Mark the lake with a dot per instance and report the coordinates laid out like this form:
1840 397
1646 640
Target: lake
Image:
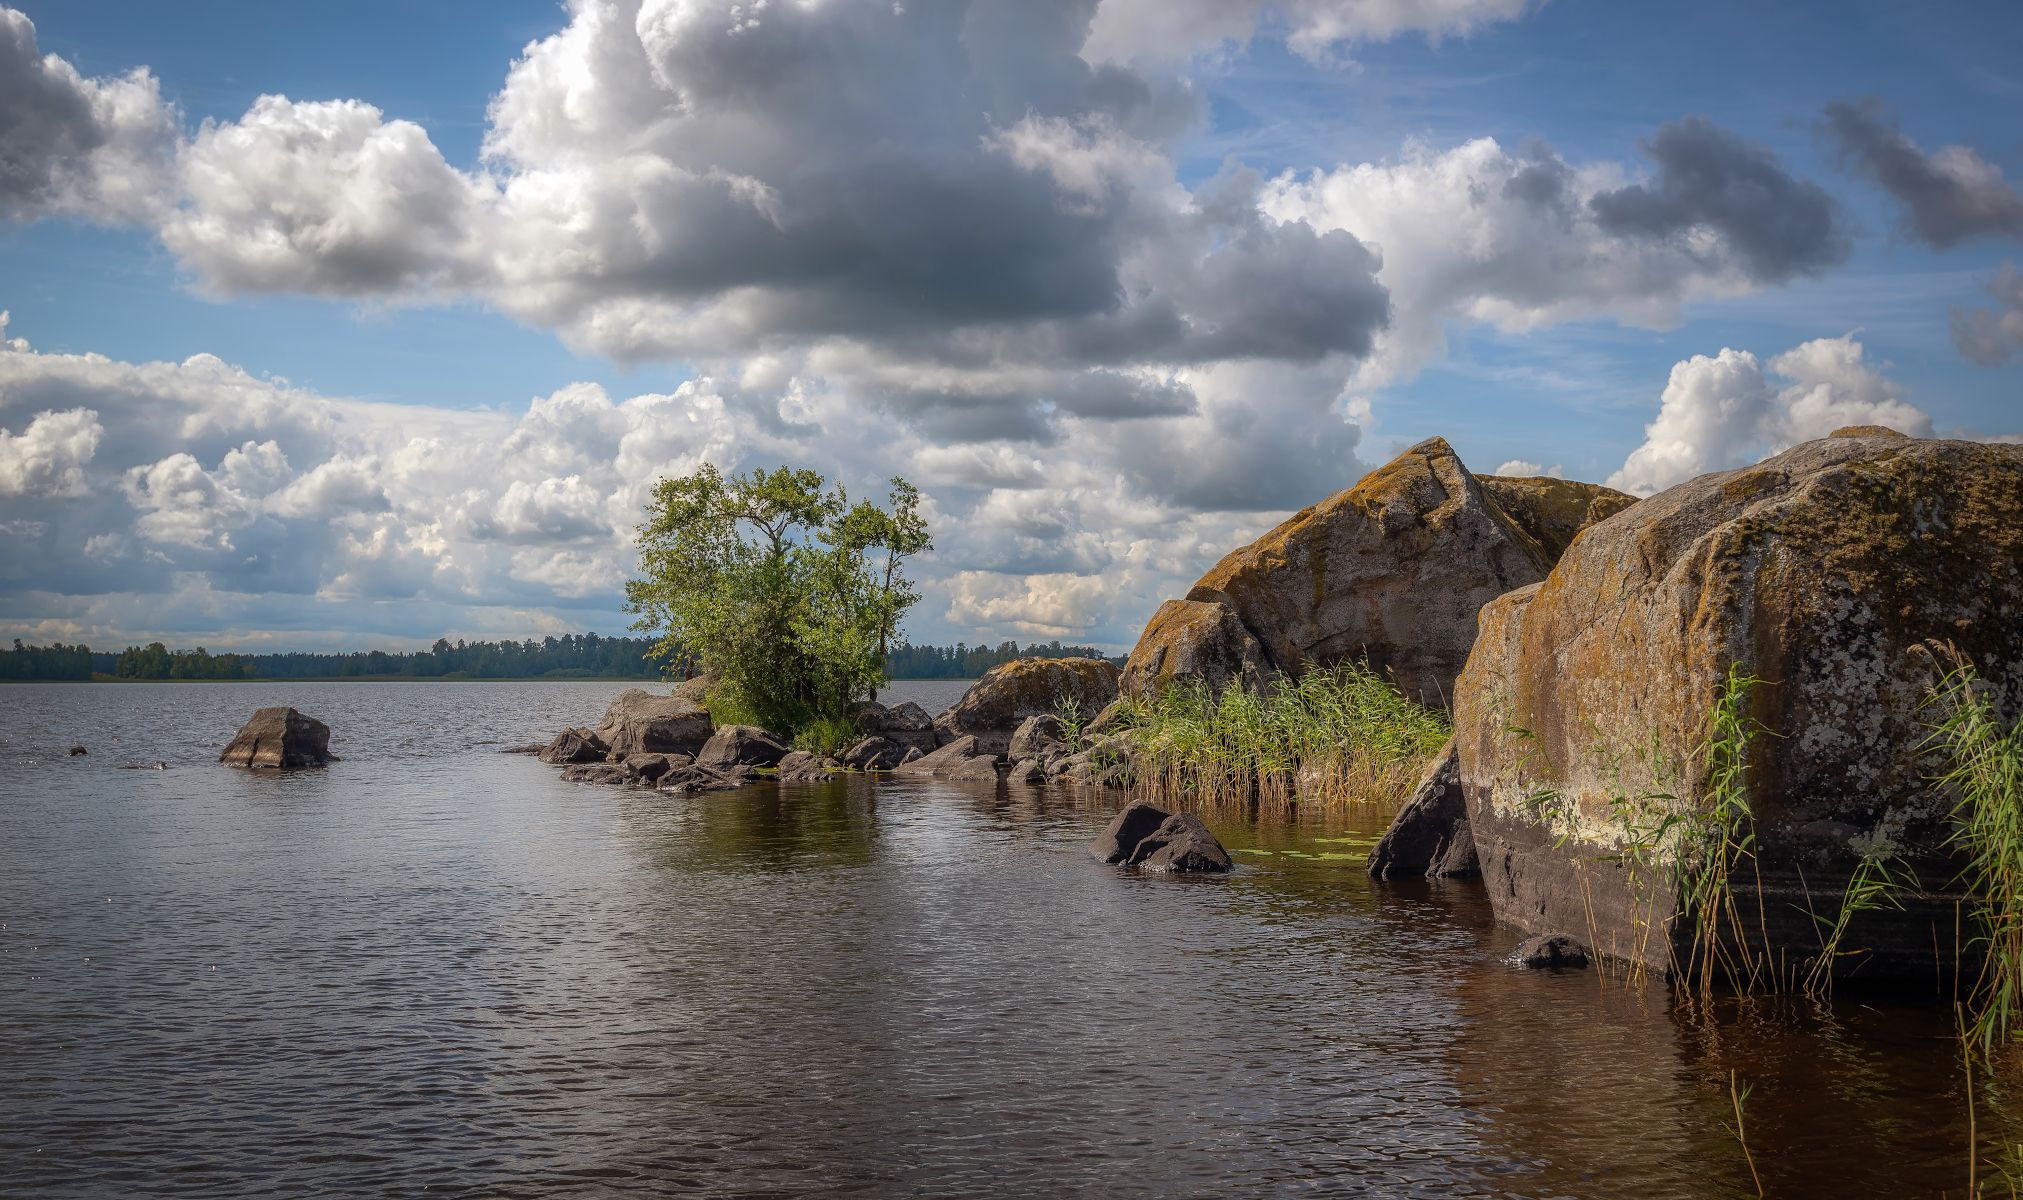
436 968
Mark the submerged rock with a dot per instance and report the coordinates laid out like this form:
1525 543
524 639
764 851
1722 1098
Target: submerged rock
1824 571
1429 837
280 738
1145 835
696 777
639 722
741 745
1393 570
597 772
996 705
1554 951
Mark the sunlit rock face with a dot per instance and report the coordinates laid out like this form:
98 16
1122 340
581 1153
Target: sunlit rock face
1392 570
1829 571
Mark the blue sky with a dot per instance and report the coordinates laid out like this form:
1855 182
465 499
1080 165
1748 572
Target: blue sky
745 214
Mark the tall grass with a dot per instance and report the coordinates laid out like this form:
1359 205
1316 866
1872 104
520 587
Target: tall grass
1984 767
1717 842
1335 734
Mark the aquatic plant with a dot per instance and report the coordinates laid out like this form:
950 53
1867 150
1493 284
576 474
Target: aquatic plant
1715 842
1983 754
1879 880
1335 734
1738 1095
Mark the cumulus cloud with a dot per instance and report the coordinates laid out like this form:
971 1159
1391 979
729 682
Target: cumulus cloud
1948 195
95 148
1525 468
139 499
1729 409
1992 336
1524 240
49 456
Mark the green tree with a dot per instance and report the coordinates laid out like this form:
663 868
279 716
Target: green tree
775 583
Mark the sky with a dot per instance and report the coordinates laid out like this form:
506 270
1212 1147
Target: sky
335 327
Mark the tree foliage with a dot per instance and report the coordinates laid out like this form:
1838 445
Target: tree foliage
774 582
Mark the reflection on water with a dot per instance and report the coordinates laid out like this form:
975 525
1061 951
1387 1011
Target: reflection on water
439 967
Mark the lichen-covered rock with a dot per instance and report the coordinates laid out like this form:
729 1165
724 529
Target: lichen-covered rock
639 722
1194 639
1553 511
994 706
1429 837
1822 571
961 758
280 738
741 745
1391 570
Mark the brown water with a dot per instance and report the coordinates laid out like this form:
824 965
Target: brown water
436 968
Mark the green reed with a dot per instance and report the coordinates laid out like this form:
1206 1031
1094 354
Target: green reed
1983 754
1717 842
1337 734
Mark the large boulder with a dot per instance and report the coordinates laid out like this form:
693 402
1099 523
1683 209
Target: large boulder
1392 570
1429 837
877 753
1582 718
996 705
639 722
1147 836
280 738
962 758
741 745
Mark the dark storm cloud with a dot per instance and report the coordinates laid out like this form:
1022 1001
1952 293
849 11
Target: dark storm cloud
1775 225
1948 196
47 126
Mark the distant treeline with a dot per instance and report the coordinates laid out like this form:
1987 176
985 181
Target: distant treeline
960 661
573 656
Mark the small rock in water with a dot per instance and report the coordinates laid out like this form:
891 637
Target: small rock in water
1552 951
1147 836
77 752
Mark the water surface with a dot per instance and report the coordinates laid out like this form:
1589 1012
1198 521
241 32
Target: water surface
435 967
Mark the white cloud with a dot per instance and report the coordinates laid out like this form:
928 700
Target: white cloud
48 457
1522 468
1728 410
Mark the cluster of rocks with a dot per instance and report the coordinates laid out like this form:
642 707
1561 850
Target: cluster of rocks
1581 637
1005 725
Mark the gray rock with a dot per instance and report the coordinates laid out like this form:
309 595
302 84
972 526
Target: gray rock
574 746
996 705
650 767
639 722
597 772
742 745
804 767
959 759
1429 837
875 753
281 739
1147 836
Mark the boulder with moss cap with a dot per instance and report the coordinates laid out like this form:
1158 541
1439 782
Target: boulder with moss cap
1826 571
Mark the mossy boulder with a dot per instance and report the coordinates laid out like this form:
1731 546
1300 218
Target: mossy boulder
1826 571
995 706
1392 570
